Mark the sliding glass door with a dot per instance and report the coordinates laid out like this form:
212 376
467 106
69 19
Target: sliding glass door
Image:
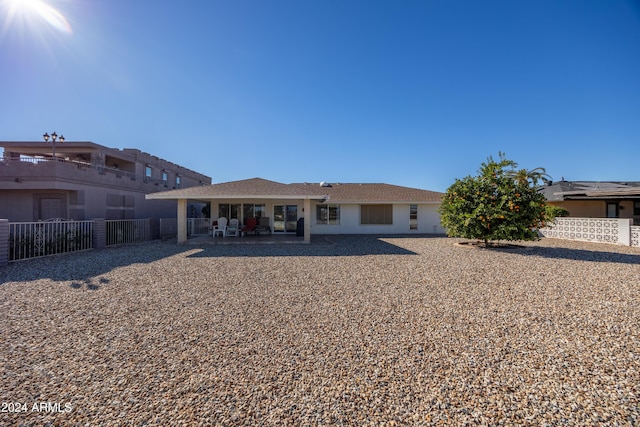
285 218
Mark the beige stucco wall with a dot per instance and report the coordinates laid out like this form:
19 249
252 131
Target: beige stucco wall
594 208
428 221
583 209
626 209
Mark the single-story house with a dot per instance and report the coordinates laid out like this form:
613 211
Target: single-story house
327 208
590 199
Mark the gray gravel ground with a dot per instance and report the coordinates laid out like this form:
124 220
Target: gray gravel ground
346 331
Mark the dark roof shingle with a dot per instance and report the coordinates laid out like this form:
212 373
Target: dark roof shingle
375 193
337 193
563 190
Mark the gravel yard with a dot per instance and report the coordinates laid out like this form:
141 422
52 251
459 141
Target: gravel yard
351 330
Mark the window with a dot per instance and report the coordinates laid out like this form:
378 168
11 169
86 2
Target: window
328 214
413 217
636 208
228 211
148 171
165 177
251 211
376 214
178 181
612 210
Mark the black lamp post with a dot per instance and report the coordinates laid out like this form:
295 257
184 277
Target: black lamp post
54 137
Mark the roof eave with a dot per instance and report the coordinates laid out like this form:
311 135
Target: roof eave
233 196
603 197
382 202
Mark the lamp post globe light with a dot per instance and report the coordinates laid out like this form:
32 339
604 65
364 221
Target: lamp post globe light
54 137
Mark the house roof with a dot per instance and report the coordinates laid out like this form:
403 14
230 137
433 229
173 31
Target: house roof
374 193
259 188
243 189
591 190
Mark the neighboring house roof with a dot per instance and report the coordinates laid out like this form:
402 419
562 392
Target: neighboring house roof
591 190
332 193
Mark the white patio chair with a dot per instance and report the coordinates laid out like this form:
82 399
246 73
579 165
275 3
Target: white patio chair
232 229
221 227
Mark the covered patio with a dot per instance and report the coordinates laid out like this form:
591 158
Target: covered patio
249 198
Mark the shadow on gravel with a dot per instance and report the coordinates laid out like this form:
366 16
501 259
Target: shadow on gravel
89 284
320 246
582 255
81 268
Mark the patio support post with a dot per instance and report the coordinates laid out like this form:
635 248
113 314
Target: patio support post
213 214
182 220
307 220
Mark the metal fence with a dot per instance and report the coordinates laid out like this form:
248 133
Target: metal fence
38 239
198 226
168 227
122 231
24 240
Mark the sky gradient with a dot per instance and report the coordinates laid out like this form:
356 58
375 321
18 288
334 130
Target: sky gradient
413 93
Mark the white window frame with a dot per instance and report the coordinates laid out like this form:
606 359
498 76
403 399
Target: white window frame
325 218
413 217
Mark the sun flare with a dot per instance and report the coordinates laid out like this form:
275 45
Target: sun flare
31 10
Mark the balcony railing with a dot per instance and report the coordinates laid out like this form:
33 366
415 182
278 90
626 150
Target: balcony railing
101 169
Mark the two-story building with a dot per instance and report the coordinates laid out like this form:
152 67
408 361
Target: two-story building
84 180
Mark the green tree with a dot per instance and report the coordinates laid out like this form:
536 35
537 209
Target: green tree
532 176
553 212
501 203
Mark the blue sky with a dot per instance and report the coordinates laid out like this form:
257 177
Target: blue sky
413 93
